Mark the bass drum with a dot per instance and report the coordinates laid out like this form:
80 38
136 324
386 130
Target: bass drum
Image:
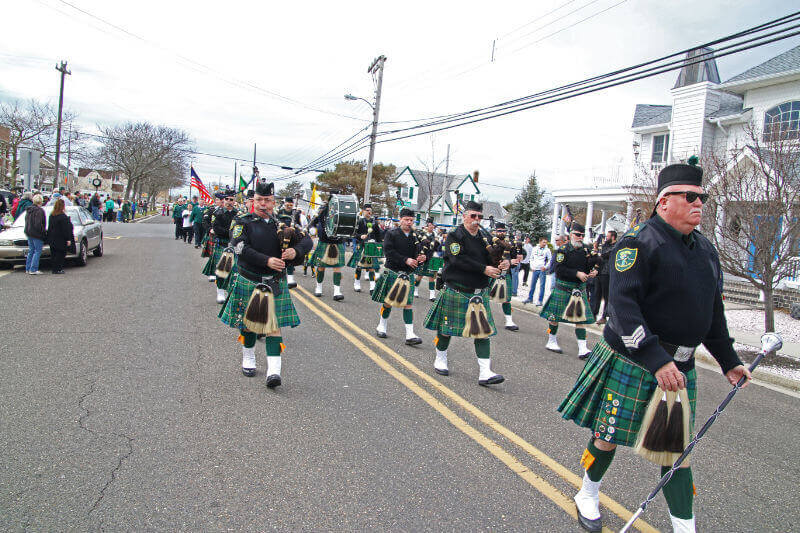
342 215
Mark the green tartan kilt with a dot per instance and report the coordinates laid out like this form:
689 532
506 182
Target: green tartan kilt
232 313
556 303
356 257
211 263
448 315
611 395
385 282
319 253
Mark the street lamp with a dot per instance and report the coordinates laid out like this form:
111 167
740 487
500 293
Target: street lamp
349 96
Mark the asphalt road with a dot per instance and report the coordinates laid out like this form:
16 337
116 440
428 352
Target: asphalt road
124 408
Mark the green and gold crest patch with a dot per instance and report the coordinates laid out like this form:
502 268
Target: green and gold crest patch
626 258
455 248
237 231
560 257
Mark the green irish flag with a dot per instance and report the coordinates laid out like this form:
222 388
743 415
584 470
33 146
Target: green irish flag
242 183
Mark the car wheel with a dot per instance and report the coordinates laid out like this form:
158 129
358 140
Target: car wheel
98 252
82 255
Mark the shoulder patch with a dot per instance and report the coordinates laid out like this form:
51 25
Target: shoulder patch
625 259
455 248
237 231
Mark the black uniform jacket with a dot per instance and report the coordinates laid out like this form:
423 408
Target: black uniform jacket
397 247
370 228
465 259
606 249
664 287
222 222
572 259
256 239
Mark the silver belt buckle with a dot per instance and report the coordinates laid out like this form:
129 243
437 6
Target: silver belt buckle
684 353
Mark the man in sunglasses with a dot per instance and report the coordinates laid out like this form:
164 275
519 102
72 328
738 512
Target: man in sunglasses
467 274
664 301
574 265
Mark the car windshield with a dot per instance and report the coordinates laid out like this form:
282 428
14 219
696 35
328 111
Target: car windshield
72 212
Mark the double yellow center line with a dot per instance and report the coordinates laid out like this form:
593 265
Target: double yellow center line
354 335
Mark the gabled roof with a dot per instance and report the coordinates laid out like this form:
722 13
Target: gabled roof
439 181
651 115
729 104
494 209
785 62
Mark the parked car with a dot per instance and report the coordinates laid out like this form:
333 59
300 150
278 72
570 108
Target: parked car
87 231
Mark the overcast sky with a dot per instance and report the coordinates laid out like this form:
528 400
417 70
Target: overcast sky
230 73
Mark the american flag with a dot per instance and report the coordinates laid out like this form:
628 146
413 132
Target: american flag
205 196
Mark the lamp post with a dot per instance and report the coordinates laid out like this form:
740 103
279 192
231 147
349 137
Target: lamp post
376 66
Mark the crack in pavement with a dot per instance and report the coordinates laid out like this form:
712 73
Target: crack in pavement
113 476
86 411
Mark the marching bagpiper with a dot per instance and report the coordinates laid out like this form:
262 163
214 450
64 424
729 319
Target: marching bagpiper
430 268
329 252
504 283
366 231
462 306
259 301
665 301
220 234
568 301
394 288
289 217
207 245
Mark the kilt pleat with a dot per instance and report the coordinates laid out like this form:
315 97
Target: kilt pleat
385 282
611 395
211 264
448 314
319 253
232 313
556 303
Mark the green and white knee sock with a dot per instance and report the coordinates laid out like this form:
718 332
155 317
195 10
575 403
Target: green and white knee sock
274 349
483 351
679 493
408 320
337 282
441 342
595 462
507 312
580 334
384 312
248 350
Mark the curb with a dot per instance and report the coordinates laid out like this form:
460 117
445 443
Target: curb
148 217
701 355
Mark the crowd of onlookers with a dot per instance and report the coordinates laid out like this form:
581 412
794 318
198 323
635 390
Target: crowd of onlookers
57 230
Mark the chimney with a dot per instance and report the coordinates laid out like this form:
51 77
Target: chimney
475 176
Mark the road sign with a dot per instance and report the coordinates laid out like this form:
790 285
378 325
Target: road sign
29 166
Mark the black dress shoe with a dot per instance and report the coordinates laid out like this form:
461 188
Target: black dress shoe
292 285
249 372
356 290
381 335
494 380
273 381
590 525
513 327
338 298
413 341
584 356
441 372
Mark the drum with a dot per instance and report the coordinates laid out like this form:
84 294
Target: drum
373 249
342 215
434 264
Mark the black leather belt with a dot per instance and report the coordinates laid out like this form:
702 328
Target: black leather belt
679 353
464 290
255 277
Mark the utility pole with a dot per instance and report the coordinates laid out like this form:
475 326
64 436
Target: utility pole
62 68
376 65
255 169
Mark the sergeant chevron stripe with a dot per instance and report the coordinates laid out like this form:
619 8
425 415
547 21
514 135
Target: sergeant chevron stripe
633 340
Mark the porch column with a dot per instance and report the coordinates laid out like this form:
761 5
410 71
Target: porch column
555 225
562 226
628 214
603 221
588 237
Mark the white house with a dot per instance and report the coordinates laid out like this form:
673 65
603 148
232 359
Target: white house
703 114
435 193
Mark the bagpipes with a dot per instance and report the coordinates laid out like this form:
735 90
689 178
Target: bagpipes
398 292
575 311
499 251
770 343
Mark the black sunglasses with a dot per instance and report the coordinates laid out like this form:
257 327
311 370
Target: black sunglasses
691 196
577 234
475 215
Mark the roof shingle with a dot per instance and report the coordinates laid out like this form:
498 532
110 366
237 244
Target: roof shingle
650 115
789 60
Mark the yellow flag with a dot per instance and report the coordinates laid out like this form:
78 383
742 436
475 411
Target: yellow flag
313 202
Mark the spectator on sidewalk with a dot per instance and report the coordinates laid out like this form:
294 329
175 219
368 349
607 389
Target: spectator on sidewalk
35 230
541 259
602 281
133 210
59 236
177 219
186 223
94 205
109 209
24 203
126 211
525 265
196 219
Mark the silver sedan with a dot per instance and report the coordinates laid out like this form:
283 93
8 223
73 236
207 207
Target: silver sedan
88 235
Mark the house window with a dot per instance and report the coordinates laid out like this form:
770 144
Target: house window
660 148
782 122
411 193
